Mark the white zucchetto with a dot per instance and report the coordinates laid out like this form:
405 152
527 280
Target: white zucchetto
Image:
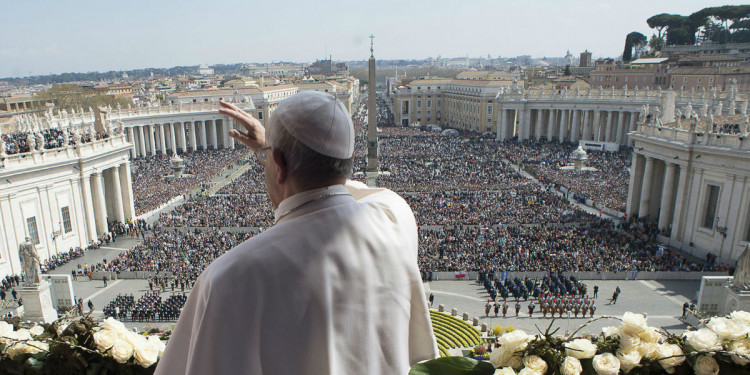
319 121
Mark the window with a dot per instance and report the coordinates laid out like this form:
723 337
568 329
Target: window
33 232
260 115
438 103
489 110
711 204
489 120
429 103
419 104
67 226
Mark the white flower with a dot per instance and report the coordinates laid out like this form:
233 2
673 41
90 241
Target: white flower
703 339
741 350
629 342
33 347
114 325
628 360
21 334
580 349
61 329
121 351
500 357
633 324
535 363
571 366
133 338
36 330
606 364
146 354
611 331
516 362
669 356
15 350
514 341
105 339
741 315
647 349
6 330
528 371
728 329
706 365
505 371
159 344
650 334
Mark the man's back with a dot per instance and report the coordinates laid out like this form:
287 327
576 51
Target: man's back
332 288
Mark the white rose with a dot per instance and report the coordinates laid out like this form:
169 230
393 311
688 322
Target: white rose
15 350
571 366
514 341
580 349
114 325
159 344
146 354
505 371
535 363
606 364
741 315
703 339
647 349
33 347
105 339
500 357
6 330
629 342
741 350
650 334
36 330
611 331
516 362
728 329
121 351
21 335
669 356
633 324
528 371
628 360
133 338
706 365
61 329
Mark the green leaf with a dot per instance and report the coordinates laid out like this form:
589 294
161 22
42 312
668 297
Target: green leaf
452 366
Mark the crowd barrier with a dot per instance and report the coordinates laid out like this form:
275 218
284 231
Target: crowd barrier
658 275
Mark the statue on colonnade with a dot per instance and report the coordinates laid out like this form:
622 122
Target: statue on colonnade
30 263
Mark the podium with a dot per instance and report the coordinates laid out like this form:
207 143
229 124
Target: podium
37 302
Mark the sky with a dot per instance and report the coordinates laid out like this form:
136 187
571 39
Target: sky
49 37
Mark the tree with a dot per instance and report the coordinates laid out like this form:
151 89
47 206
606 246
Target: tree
655 44
633 40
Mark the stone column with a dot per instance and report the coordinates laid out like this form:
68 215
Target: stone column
538 125
575 130
551 125
502 132
173 137
141 142
152 139
586 136
648 175
597 126
88 206
193 141
564 118
117 195
126 190
183 142
608 136
231 124
162 139
212 135
204 134
523 124
667 197
634 187
100 208
631 127
680 201
620 136
131 139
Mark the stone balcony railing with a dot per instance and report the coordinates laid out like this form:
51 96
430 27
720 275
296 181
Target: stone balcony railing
47 156
688 137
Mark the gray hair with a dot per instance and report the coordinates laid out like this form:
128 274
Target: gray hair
306 165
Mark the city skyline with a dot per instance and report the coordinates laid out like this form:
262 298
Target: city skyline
52 38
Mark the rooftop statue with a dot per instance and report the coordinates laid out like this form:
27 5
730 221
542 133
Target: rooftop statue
29 263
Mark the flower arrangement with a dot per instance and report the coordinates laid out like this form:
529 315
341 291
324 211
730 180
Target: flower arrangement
719 345
479 353
79 346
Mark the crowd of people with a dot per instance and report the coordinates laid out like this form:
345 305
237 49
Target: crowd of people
149 307
46 139
60 259
152 188
221 211
607 185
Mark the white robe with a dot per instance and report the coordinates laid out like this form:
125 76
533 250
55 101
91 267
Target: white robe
332 288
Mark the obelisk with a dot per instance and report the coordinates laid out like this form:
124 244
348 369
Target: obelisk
372 123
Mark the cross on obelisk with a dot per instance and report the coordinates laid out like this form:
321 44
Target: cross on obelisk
372 120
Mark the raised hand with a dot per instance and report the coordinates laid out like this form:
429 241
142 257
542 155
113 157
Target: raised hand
255 135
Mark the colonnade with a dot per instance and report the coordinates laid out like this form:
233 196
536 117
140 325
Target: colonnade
177 137
566 124
107 196
655 186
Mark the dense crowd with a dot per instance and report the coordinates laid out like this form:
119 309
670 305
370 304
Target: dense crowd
45 139
221 211
151 187
607 185
62 258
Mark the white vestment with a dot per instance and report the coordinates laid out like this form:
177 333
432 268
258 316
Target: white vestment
332 288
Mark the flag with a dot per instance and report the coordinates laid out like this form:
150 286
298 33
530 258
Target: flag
460 274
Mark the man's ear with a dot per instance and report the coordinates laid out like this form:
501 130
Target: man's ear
280 164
